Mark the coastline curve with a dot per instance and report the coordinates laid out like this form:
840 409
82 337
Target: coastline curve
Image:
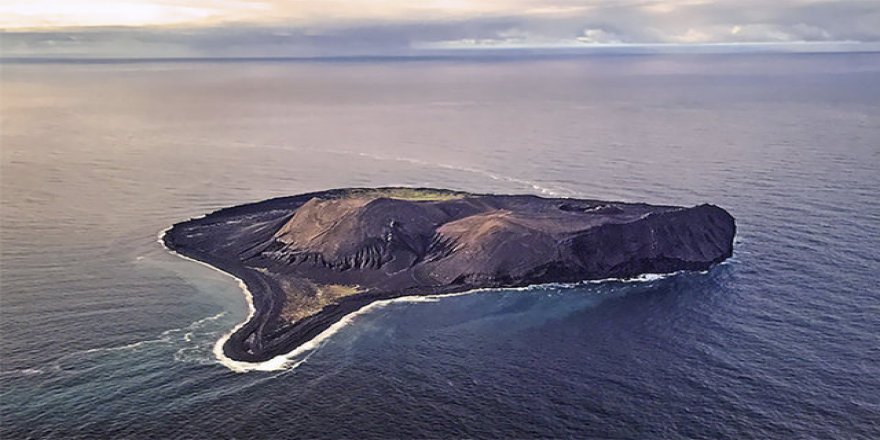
286 361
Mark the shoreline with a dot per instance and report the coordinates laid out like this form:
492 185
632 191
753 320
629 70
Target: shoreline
283 361
232 364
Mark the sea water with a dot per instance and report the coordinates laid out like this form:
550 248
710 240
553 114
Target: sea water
105 334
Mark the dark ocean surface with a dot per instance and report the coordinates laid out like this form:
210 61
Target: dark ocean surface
106 335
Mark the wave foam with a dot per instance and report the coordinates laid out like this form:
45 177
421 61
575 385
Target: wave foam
558 192
133 345
22 372
237 366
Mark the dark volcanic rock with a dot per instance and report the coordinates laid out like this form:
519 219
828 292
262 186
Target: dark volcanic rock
311 259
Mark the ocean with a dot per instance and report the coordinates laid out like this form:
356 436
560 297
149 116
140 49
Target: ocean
107 335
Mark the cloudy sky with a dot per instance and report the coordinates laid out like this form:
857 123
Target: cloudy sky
184 28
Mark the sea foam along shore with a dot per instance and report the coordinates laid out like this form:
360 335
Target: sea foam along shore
281 362
286 361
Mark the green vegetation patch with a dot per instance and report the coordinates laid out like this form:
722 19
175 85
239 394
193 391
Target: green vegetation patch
410 194
299 305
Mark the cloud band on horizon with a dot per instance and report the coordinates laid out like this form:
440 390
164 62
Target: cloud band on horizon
265 28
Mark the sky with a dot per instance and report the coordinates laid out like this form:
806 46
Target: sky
315 28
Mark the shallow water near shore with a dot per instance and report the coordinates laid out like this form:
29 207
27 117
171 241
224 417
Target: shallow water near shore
105 334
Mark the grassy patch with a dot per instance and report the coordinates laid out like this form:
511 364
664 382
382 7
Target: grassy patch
299 306
410 194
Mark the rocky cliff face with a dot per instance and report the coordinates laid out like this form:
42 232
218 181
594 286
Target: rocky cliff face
495 240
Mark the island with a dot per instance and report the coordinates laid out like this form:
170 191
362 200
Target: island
309 260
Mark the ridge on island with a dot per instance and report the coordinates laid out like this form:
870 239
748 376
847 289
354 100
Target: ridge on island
311 259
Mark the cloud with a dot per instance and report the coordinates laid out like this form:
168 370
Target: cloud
599 36
36 14
382 27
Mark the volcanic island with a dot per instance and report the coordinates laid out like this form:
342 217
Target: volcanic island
309 260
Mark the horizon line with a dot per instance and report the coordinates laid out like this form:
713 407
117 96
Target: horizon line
495 54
